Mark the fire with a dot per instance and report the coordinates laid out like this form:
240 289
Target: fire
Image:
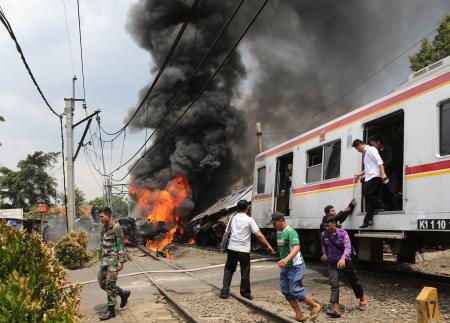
163 206
191 241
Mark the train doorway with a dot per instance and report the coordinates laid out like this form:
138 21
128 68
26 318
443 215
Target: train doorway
283 182
387 134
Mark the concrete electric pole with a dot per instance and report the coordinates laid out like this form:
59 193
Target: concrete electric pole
70 107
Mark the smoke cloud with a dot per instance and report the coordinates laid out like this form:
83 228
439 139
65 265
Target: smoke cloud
199 148
301 54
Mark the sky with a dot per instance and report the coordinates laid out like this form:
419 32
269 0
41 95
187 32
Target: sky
116 68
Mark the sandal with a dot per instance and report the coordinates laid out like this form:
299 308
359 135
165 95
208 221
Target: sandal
333 313
315 312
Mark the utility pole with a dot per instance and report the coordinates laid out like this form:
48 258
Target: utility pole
70 157
108 192
259 134
70 107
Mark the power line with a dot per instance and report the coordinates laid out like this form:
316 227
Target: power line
230 52
81 49
8 27
68 36
185 85
373 74
161 70
90 170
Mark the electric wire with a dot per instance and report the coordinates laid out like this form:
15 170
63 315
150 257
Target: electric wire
186 83
90 169
8 27
373 74
161 70
219 68
68 36
81 50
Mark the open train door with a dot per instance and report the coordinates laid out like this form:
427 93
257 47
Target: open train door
390 130
283 183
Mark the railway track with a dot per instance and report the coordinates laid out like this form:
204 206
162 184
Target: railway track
190 309
413 277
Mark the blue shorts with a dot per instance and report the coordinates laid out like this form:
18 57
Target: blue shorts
291 282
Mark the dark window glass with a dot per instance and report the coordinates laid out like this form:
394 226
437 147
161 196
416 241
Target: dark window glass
445 129
314 169
332 160
261 180
324 162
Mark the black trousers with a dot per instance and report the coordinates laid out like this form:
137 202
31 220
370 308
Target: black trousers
349 276
233 257
371 192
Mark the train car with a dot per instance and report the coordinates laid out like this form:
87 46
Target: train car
414 120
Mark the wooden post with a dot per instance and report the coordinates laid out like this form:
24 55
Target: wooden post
427 306
259 134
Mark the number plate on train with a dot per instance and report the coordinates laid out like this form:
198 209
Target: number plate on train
433 224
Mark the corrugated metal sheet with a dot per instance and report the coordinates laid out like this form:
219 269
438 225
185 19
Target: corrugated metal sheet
226 203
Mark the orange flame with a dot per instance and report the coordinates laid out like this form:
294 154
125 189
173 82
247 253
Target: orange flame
162 206
191 241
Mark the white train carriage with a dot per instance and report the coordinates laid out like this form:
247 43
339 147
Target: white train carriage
415 121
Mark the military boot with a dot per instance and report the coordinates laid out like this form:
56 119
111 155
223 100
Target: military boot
109 314
124 294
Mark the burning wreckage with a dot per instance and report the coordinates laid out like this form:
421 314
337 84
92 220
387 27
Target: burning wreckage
162 217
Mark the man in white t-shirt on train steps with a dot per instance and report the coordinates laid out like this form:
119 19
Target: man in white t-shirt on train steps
242 227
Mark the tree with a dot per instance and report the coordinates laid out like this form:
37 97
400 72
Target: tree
119 205
434 51
30 184
80 199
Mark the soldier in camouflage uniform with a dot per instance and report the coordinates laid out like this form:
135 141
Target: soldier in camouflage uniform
112 257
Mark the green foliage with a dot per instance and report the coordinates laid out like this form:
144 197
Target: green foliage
119 206
80 199
30 184
72 251
434 51
31 280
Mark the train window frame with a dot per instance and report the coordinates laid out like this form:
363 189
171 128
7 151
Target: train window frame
260 190
445 104
322 164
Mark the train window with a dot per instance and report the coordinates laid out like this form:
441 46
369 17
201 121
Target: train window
444 129
332 160
261 184
324 162
314 169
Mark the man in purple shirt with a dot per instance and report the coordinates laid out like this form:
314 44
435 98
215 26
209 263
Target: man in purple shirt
337 251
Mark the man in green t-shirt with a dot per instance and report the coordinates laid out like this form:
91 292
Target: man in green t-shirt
292 268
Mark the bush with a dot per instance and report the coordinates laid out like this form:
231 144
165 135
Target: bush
31 280
72 251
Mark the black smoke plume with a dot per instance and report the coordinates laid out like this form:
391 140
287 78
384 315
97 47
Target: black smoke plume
199 147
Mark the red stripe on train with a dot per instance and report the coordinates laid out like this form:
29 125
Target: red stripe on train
262 196
323 186
379 106
445 164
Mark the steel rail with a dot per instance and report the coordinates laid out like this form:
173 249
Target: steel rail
275 317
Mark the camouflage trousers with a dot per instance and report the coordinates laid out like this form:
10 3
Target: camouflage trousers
107 279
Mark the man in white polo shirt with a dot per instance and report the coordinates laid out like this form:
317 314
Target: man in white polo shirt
374 175
242 227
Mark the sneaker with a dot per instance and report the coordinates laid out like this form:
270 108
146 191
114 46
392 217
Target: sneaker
366 225
333 313
249 297
362 304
